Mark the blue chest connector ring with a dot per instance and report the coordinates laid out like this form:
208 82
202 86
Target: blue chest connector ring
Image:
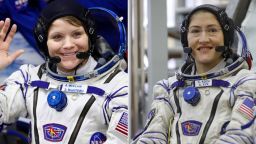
191 95
57 100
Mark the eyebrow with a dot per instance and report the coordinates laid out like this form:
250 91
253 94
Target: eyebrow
211 25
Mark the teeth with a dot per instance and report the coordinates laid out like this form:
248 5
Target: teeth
68 54
203 48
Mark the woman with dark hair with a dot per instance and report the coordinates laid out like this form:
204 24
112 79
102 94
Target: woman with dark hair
211 98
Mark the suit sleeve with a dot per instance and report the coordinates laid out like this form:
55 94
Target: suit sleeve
12 98
240 127
159 118
116 108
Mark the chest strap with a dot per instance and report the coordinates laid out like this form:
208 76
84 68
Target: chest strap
202 83
71 88
39 73
81 119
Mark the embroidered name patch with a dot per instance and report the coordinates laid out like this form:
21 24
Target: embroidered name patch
191 127
203 83
98 138
54 132
246 108
122 125
73 88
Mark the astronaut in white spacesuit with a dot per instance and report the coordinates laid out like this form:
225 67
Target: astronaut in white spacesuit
75 97
210 99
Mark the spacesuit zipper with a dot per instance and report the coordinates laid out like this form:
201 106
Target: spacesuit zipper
35 118
209 122
39 74
81 119
178 111
86 109
112 75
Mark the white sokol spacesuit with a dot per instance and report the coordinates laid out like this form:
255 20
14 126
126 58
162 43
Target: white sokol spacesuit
88 107
216 107
222 115
110 101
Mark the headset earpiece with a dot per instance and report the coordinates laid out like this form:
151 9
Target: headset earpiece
183 32
40 36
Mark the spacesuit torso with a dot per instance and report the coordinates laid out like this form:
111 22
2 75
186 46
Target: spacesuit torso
96 109
203 109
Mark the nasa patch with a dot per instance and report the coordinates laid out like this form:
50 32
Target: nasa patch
54 132
191 127
98 138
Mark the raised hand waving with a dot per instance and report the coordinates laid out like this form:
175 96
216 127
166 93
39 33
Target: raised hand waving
5 41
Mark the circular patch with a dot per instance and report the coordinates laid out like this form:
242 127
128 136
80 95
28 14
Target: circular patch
98 138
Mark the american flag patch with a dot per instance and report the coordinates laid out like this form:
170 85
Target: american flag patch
246 108
122 125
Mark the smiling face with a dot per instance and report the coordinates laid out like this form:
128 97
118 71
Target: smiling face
204 35
66 37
